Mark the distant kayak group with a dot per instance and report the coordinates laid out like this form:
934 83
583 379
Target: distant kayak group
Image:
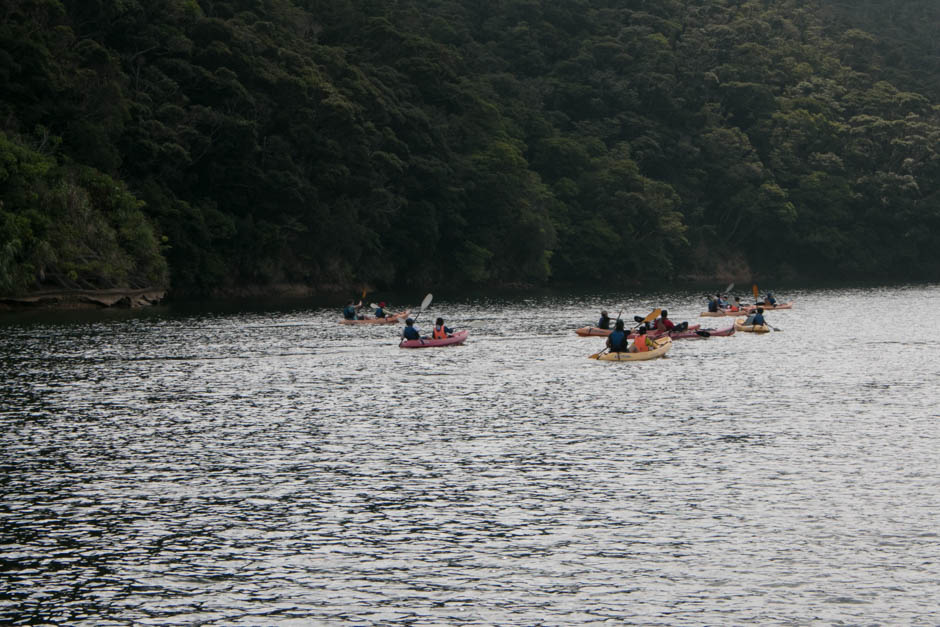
648 338
441 335
653 335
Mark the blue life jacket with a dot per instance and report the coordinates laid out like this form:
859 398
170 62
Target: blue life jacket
713 306
618 341
349 312
411 333
379 313
758 319
603 323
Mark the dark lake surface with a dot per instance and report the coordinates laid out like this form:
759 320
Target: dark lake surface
268 466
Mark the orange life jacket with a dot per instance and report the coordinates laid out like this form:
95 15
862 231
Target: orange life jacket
640 343
439 333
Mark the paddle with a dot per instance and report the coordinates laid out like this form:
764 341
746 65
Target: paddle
424 305
650 316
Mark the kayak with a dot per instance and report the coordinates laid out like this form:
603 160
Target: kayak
655 334
457 338
593 331
750 328
663 345
788 305
692 334
590 331
389 319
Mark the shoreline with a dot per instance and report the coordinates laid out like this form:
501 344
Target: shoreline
84 299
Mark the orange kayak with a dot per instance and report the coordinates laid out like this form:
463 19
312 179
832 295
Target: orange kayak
594 331
390 319
750 308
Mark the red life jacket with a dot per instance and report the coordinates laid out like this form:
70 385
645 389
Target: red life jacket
439 333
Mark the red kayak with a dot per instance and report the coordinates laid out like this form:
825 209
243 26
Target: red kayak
457 338
655 334
697 334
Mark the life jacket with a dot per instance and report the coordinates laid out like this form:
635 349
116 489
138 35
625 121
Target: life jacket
349 312
411 333
439 333
640 343
712 306
758 319
603 323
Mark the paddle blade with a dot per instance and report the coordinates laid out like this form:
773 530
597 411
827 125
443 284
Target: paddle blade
426 302
729 288
652 315
638 319
373 306
703 333
756 292
363 294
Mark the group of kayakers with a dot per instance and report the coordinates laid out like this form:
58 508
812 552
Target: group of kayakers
440 332
352 308
721 303
409 332
618 340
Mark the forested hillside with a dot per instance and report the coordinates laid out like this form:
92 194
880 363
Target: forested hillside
217 144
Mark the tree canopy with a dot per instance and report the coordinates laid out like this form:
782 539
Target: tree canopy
212 144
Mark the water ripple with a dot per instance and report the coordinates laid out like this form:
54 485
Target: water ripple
275 467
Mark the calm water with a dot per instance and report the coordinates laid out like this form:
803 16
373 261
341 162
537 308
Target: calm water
276 468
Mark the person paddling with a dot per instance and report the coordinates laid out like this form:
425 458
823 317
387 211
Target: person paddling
617 340
441 332
350 311
770 300
410 332
604 322
663 323
758 318
380 310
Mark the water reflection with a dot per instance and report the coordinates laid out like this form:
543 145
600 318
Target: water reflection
270 467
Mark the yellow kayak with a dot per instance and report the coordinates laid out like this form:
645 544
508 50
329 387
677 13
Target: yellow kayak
663 345
750 328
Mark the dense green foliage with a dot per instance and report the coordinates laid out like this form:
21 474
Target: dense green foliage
396 142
